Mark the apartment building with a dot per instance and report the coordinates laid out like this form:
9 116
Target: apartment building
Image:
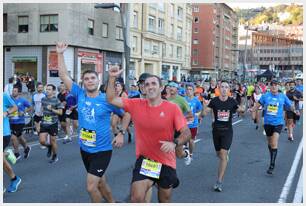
214 41
30 31
160 36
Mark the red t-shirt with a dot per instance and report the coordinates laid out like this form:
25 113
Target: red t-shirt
154 124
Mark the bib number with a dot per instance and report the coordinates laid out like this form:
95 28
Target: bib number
88 137
47 119
223 116
150 168
68 112
272 110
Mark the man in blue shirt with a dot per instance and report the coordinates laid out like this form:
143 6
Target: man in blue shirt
9 107
273 103
17 122
94 128
196 109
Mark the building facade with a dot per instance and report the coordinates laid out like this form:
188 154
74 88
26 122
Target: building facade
94 37
160 39
214 41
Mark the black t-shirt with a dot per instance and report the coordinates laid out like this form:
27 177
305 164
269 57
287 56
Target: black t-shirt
211 92
290 94
62 97
223 111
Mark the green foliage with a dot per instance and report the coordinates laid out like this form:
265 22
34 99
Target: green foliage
270 15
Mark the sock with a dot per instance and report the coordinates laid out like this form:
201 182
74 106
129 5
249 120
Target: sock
273 157
186 153
15 178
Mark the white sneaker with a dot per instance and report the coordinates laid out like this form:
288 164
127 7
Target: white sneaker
264 133
35 133
42 147
188 158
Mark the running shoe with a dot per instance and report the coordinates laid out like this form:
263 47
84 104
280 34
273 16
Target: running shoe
218 186
35 133
264 132
256 127
67 140
53 159
14 185
187 158
270 170
49 151
27 152
290 139
18 156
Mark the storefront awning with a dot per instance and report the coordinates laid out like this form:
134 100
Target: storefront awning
24 59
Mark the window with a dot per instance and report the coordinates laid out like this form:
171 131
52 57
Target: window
171 50
194 52
90 27
179 33
161 26
172 30
180 13
119 34
179 52
171 10
196 9
147 47
134 44
195 41
135 19
48 23
151 26
23 24
155 48
195 62
164 53
104 30
4 22
196 30
196 19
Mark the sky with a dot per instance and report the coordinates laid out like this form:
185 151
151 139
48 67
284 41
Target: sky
243 5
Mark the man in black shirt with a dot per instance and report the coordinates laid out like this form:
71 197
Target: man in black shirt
294 96
223 108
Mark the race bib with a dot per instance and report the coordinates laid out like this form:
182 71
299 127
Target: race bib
68 112
223 116
212 95
14 115
150 168
272 109
47 119
88 137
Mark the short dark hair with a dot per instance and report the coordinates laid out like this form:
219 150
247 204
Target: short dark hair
52 85
157 77
38 84
292 82
90 72
16 87
11 80
224 81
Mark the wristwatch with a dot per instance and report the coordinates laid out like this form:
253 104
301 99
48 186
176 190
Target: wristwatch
176 142
122 131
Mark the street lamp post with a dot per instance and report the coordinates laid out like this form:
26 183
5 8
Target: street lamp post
124 31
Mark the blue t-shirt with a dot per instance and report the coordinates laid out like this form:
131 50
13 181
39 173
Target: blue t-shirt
182 91
273 107
195 106
299 88
7 103
71 100
22 104
94 120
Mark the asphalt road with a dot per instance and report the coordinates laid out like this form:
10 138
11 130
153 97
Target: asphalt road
245 181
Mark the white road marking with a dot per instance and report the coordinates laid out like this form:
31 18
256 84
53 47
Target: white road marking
286 188
197 140
298 196
240 120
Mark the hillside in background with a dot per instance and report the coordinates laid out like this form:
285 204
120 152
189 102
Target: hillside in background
281 14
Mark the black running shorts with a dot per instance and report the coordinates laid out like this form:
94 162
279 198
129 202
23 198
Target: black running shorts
50 129
6 141
37 119
73 115
167 179
290 114
222 138
96 163
17 129
270 129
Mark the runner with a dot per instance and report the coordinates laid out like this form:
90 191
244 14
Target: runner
71 115
17 123
294 96
9 107
155 121
94 128
196 108
61 96
36 101
256 114
51 108
223 108
273 103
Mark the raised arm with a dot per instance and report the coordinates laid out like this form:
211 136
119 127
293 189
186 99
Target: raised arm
62 70
113 72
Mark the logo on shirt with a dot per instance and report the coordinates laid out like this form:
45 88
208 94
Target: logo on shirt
162 114
99 170
223 116
98 105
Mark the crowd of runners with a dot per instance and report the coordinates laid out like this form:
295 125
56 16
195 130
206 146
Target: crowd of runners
165 118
